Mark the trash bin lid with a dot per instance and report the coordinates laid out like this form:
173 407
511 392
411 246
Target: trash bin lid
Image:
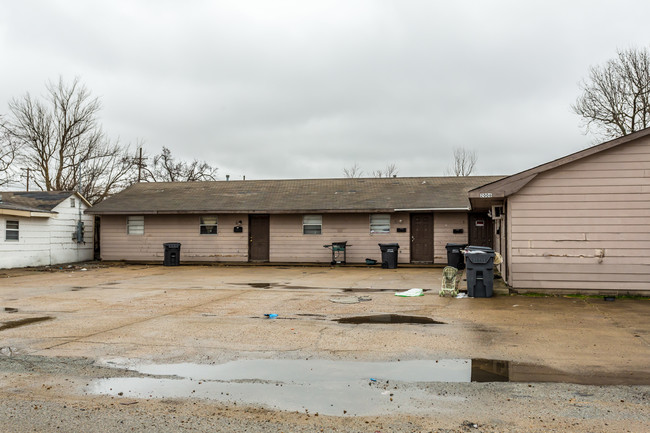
453 245
479 257
172 245
393 245
478 248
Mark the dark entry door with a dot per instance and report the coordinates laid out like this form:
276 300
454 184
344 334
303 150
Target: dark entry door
422 238
258 238
480 230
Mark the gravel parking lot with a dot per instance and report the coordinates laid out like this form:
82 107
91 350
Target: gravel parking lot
114 347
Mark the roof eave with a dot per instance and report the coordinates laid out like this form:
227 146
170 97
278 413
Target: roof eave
26 213
256 212
511 184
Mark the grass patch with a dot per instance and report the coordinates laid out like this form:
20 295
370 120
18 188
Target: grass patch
536 295
632 297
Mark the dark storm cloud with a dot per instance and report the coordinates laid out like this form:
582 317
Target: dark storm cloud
289 89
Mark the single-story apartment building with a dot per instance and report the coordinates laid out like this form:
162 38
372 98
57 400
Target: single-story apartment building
43 228
289 221
580 223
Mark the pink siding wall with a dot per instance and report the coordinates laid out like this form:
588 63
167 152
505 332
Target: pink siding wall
288 244
443 225
585 226
158 229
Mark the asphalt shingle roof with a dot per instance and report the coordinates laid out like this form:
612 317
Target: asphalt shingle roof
287 196
33 201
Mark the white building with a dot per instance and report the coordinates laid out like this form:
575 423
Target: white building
40 228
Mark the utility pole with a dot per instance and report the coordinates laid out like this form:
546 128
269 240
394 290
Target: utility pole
27 169
140 164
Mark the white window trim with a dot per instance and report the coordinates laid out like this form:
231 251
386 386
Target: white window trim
12 230
134 229
376 226
215 225
316 220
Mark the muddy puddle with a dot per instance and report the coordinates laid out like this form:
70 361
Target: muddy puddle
22 322
289 287
326 387
388 318
372 290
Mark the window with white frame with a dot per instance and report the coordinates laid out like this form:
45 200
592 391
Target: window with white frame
208 225
11 231
380 223
312 224
135 225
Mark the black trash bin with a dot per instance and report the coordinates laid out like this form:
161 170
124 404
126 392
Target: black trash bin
455 256
172 254
480 271
389 255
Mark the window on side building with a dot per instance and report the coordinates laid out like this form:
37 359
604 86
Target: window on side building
208 225
312 224
135 225
11 231
380 223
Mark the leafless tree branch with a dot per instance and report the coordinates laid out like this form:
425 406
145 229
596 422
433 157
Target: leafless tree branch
7 155
389 171
353 171
464 162
615 99
60 140
165 168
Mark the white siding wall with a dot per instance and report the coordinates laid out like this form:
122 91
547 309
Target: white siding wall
585 226
46 241
63 248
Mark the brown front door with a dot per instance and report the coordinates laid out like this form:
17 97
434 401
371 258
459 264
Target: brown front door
421 238
258 238
480 230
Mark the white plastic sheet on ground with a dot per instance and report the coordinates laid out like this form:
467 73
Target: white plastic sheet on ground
410 293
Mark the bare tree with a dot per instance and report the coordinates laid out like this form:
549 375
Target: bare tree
389 171
165 168
7 156
464 162
353 171
60 140
615 98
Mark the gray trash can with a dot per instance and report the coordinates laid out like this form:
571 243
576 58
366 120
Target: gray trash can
480 271
455 256
389 255
172 254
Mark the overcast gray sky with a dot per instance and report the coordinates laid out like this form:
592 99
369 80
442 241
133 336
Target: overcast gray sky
299 89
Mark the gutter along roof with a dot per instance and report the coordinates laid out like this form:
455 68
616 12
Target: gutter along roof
295 196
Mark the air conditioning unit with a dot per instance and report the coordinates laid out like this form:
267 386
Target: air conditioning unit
497 212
